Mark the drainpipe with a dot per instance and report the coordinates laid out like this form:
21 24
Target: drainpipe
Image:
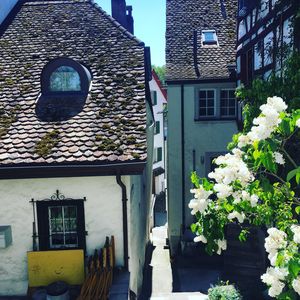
125 226
195 53
182 158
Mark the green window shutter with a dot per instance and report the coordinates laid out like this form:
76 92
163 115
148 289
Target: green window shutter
154 97
159 154
157 127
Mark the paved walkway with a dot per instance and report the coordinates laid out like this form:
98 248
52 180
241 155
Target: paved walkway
162 278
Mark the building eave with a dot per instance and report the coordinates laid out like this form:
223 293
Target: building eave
71 170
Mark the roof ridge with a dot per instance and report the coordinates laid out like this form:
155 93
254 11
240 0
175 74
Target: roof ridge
116 23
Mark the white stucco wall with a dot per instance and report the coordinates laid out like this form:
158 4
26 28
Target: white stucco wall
5 7
103 217
159 138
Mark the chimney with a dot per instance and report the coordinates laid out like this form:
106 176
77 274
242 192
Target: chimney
118 9
119 13
129 18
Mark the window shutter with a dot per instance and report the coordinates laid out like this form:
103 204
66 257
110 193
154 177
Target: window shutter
159 154
154 97
157 127
81 225
43 225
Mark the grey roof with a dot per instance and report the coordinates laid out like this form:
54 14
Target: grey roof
185 16
111 127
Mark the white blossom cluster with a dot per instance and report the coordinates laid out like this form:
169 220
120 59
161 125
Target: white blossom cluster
275 277
266 123
200 201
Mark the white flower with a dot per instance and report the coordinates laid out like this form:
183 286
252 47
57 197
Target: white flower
223 190
201 193
298 123
273 278
200 238
296 285
277 103
276 289
243 141
222 244
276 240
296 230
278 158
254 200
198 205
272 258
237 215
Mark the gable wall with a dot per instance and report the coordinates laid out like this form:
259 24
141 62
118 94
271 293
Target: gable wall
103 217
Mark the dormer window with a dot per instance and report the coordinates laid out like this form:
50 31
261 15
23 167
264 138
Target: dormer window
209 37
65 85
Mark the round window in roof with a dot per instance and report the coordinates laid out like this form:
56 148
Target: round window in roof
65 86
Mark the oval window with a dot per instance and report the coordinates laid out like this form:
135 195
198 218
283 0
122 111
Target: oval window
65 79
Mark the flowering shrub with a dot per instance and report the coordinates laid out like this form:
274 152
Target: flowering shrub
248 187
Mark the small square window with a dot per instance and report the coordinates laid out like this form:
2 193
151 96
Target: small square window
209 37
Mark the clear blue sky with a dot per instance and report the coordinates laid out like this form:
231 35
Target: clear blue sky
149 24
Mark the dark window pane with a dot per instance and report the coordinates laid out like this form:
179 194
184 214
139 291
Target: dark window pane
231 94
223 102
210 94
232 102
70 225
210 111
71 239
202 111
232 111
211 102
202 94
70 212
55 212
202 103
224 111
223 94
57 239
57 225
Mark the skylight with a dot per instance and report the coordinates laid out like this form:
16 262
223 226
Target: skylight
209 37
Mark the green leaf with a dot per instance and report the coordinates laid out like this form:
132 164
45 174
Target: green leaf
292 174
289 295
194 227
297 210
256 154
267 160
195 179
286 127
294 267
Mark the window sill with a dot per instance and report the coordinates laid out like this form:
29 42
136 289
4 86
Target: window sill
215 119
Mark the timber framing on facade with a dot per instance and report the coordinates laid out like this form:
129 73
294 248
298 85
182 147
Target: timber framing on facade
265 29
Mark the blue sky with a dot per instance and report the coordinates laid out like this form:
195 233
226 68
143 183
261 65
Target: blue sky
149 24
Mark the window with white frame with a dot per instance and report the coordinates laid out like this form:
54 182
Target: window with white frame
242 29
228 103
207 103
209 37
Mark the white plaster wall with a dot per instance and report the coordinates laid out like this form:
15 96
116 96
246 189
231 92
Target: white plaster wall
5 7
103 217
158 116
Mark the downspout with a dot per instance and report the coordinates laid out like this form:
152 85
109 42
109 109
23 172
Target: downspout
195 53
182 159
125 224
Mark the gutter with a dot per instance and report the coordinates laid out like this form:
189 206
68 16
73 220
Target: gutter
125 224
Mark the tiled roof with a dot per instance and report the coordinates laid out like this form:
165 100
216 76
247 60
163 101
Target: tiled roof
185 16
111 127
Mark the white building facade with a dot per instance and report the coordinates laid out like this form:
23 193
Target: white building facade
159 101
